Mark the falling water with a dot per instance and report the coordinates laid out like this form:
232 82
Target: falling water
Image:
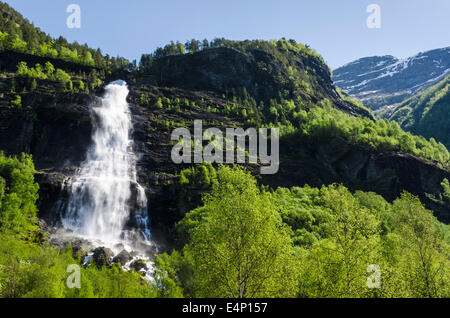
104 194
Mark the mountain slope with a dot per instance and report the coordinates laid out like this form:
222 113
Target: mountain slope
385 80
326 136
427 113
264 71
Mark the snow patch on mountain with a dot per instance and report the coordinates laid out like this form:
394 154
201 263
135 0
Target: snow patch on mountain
384 80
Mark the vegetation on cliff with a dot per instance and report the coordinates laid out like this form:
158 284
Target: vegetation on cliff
426 113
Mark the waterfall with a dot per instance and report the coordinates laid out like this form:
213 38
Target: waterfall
104 193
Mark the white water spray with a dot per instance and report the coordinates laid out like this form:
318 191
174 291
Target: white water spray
105 192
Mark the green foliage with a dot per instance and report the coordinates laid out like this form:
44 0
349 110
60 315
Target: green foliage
144 100
62 77
342 233
424 252
46 49
338 237
325 122
446 190
170 49
36 72
40 271
48 72
342 259
29 270
240 247
17 102
81 85
300 209
3 40
112 282
18 194
200 177
49 69
18 44
426 113
165 276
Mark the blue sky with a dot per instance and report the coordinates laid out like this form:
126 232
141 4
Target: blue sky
336 29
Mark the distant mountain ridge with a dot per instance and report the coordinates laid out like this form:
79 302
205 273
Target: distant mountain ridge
385 80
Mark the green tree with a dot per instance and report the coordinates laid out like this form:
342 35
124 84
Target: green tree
425 253
146 62
22 69
241 248
17 102
192 46
49 69
158 104
165 277
63 78
18 44
446 190
3 40
337 266
18 193
33 84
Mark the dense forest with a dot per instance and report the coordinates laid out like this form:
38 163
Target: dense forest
229 233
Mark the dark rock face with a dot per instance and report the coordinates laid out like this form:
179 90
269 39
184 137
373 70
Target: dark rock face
56 130
139 265
102 256
385 80
123 257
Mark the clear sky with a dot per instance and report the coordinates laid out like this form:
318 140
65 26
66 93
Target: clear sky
335 28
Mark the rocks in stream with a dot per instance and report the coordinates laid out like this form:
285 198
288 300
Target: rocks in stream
80 247
89 254
139 265
122 258
102 256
